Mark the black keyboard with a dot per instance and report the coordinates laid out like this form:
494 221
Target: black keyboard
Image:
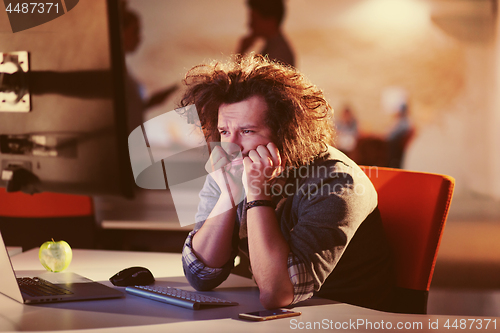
179 297
39 287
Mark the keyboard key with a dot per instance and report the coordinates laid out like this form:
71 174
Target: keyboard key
40 287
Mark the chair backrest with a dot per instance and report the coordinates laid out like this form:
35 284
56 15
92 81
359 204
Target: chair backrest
414 207
46 204
29 220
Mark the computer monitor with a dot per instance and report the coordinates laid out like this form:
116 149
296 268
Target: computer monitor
63 120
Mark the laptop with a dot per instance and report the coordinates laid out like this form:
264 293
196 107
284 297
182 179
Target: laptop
34 287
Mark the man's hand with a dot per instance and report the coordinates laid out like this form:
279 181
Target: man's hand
212 244
227 169
262 165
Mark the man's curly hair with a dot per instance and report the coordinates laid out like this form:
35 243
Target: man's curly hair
298 114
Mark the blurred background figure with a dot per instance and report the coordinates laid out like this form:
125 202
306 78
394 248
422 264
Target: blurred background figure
266 17
131 38
399 137
137 102
131 30
346 128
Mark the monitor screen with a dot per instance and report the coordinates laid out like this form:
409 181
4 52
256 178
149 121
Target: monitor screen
63 121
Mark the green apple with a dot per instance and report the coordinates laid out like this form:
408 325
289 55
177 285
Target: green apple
55 256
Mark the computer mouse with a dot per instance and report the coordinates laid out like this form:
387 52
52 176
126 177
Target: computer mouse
132 276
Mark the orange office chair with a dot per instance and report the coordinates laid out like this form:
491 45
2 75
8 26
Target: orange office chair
29 220
414 207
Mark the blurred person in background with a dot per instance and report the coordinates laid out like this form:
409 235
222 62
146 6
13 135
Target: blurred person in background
399 137
346 128
137 102
266 18
131 38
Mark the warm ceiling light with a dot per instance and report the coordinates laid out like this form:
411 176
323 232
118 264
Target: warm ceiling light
388 16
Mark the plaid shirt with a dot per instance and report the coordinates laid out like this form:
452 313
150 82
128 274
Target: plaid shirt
303 285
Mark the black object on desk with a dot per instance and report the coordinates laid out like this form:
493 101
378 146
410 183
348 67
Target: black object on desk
132 276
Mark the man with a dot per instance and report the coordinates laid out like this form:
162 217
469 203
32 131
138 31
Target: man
137 103
309 220
399 137
131 37
266 17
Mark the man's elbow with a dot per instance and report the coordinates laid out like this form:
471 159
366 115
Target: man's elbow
274 300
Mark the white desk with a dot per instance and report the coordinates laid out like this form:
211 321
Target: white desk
13 250
127 314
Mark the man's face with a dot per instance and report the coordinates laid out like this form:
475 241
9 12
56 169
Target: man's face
243 124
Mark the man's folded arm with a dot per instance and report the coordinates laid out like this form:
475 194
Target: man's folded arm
302 281
200 276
